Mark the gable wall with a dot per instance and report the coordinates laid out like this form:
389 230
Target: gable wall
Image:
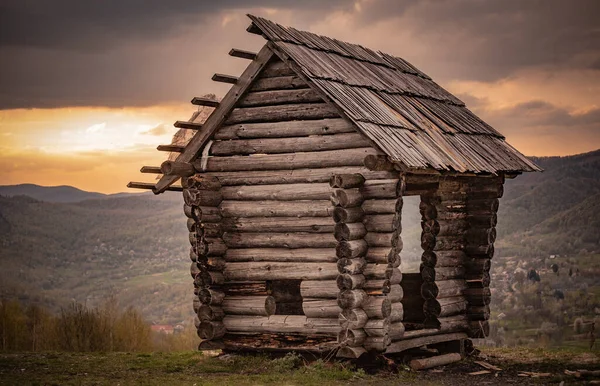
274 157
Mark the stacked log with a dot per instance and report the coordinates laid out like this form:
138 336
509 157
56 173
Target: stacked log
442 268
202 197
351 250
482 205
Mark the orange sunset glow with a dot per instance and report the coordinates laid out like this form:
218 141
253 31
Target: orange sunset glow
86 96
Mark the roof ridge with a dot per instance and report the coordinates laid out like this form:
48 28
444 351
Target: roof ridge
379 54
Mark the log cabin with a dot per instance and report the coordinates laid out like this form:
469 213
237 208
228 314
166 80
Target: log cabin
293 189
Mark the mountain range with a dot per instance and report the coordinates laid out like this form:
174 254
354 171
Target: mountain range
60 244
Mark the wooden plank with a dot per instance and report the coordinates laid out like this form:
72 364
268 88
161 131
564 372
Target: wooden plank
237 53
223 78
291 112
289 144
149 186
187 125
280 271
407 343
279 83
213 122
201 101
280 97
150 169
286 129
171 148
287 161
253 29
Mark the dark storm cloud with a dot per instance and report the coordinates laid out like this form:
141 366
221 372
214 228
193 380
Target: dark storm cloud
142 52
491 39
93 24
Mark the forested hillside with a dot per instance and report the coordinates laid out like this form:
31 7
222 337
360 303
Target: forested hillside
137 245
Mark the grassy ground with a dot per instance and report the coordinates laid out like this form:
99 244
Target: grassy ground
194 368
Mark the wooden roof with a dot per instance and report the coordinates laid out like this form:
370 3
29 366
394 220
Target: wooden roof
413 120
410 117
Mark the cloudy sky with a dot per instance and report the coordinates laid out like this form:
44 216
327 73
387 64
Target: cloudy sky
88 88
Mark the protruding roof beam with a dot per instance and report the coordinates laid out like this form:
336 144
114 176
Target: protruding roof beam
149 186
200 101
237 53
180 169
172 148
253 29
225 78
151 169
187 125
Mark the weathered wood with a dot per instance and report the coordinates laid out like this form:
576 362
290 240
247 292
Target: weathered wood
211 330
378 163
279 83
290 112
351 298
288 144
439 360
483 206
215 120
478 280
346 198
382 223
249 305
283 192
307 208
327 289
248 288
478 265
409 342
207 312
377 327
444 307
280 97
286 161
208 278
351 338
320 308
286 129
348 215
347 282
151 186
180 169
397 329
279 224
223 78
202 181
212 247
346 181
276 68
480 250
396 314
151 169
351 231
279 240
211 296
377 343
352 318
443 289
351 266
451 258
208 198
282 324
201 101
280 271
381 239
351 249
237 53
382 256
172 148
482 220
377 307
381 206
309 255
